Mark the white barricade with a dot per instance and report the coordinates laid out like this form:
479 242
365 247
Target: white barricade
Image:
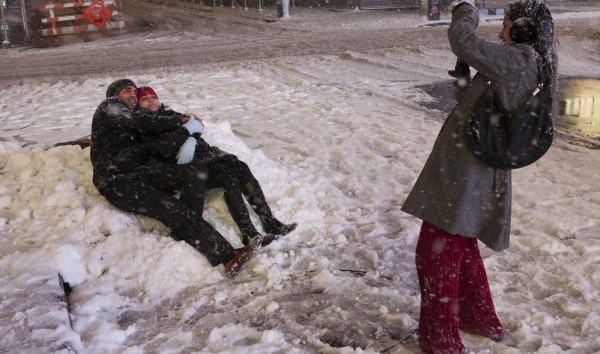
80 16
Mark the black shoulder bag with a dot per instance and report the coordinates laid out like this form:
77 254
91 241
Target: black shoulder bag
510 140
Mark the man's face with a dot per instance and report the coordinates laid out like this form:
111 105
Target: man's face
150 102
505 33
128 95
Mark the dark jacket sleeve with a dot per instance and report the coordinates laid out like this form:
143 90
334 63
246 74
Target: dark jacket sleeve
163 144
165 121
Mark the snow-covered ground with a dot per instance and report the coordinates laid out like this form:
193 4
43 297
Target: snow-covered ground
337 142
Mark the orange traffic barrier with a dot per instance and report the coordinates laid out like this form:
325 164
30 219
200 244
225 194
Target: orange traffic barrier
80 16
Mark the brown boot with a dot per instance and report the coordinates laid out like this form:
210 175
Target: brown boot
242 256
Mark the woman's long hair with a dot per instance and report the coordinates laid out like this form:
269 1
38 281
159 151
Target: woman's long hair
545 40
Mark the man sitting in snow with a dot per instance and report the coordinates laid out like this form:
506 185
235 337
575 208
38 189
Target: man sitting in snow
128 174
225 170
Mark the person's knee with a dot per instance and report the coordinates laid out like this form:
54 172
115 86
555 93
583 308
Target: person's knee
228 175
243 169
121 196
242 165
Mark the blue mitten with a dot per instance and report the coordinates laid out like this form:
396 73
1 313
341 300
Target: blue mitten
193 126
186 151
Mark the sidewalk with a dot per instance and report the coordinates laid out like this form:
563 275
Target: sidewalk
338 18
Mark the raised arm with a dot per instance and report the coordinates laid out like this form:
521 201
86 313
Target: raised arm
165 121
491 59
163 132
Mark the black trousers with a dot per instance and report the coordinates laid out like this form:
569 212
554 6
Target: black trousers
152 195
237 181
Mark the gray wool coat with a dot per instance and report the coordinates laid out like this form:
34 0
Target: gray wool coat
456 191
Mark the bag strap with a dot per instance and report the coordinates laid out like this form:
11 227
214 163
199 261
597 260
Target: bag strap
540 79
540 86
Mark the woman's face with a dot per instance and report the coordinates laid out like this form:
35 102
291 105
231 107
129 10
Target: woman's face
505 33
150 102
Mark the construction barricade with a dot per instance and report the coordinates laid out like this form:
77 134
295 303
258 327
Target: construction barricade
80 16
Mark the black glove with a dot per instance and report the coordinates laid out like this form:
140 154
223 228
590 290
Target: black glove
454 5
462 73
461 69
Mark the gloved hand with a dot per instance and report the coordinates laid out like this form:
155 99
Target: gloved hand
186 151
193 126
461 69
454 4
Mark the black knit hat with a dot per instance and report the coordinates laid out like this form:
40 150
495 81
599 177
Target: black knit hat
117 86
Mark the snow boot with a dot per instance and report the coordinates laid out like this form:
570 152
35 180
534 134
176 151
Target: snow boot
276 227
242 256
268 239
256 199
239 212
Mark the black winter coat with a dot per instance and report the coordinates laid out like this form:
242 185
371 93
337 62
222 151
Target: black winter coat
118 148
166 145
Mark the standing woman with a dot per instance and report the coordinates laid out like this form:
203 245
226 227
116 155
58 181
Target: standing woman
461 199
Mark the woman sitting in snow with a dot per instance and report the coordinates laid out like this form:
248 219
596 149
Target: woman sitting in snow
461 199
128 173
224 171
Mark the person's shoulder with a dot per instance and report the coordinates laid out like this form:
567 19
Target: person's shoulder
523 55
526 49
167 110
145 112
112 101
115 100
112 106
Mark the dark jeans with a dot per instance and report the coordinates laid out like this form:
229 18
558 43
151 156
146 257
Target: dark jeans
152 195
237 181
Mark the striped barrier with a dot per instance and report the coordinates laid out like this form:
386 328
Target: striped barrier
80 16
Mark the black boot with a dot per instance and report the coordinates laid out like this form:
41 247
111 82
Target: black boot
270 223
276 227
256 199
239 212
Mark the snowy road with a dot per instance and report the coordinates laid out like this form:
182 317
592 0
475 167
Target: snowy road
206 36
185 34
